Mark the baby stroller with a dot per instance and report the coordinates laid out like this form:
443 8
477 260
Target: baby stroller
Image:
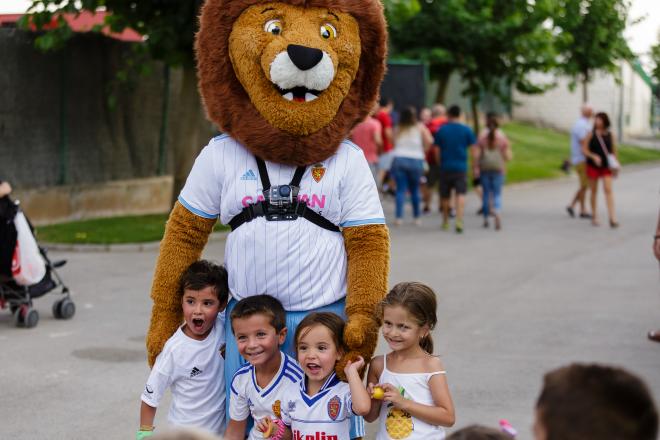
19 298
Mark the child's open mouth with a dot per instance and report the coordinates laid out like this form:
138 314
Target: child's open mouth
313 368
198 324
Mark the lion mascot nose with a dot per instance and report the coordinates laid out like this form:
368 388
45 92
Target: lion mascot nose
303 57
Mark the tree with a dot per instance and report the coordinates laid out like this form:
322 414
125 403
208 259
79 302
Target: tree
655 60
591 38
168 27
491 43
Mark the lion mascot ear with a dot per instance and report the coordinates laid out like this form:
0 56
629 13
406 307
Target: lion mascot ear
286 82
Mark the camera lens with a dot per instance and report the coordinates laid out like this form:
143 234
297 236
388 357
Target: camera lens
285 191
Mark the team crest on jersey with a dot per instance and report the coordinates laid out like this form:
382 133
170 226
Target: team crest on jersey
333 407
292 406
318 171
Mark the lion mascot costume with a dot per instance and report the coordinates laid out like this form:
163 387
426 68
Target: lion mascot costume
285 82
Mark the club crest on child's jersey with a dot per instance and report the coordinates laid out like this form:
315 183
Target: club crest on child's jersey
277 409
334 405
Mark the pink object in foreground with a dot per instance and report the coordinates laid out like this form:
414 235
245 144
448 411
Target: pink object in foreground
506 427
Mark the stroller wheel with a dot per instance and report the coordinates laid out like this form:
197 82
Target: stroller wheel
64 309
26 317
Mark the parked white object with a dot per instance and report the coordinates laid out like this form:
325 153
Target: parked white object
27 266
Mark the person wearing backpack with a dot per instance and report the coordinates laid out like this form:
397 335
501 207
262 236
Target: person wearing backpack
490 157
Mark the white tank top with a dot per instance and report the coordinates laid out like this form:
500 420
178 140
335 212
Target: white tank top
397 424
409 144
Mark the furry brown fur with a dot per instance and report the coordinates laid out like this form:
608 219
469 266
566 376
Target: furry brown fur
368 250
229 106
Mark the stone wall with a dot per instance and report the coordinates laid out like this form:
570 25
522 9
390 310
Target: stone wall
77 202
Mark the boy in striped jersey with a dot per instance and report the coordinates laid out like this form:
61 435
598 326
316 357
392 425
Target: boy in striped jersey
259 327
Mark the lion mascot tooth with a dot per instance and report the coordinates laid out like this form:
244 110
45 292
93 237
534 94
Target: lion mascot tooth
285 82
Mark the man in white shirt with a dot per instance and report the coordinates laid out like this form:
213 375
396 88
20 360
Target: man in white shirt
579 132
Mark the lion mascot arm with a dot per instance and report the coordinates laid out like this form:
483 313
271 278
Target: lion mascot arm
185 236
368 251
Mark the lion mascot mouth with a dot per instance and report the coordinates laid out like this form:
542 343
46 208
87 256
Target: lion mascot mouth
302 72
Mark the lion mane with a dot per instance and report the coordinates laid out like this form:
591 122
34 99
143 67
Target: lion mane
228 104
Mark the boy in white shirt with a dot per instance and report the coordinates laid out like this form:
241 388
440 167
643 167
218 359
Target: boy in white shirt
192 361
259 326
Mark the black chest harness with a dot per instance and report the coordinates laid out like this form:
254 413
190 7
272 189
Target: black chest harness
280 203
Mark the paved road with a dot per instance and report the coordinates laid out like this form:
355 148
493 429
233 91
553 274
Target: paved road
545 291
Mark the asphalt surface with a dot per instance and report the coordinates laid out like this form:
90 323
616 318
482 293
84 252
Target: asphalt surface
545 291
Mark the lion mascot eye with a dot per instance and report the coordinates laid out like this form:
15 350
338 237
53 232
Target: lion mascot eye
328 31
273 26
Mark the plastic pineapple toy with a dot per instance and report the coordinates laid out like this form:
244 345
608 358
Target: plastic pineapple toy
399 423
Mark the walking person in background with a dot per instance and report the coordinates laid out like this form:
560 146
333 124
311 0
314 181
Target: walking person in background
579 132
425 116
368 136
454 140
602 163
384 116
654 335
410 144
5 188
490 157
438 119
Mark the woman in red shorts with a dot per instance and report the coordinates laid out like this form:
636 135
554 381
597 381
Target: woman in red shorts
597 147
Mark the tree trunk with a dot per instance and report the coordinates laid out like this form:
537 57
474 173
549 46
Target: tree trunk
585 89
475 115
185 138
443 82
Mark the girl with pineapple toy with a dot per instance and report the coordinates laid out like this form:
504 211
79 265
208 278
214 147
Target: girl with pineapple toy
320 406
407 387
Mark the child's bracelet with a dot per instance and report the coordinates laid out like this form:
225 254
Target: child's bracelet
280 430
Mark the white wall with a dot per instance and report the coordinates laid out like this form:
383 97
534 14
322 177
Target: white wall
559 107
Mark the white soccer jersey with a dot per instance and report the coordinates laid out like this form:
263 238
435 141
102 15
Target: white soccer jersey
247 398
194 371
297 262
324 416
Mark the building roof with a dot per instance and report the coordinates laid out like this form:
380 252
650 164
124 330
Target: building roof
85 21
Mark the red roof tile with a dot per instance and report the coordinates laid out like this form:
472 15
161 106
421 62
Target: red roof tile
83 22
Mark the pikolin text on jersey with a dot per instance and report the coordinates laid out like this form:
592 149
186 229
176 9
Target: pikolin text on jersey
297 435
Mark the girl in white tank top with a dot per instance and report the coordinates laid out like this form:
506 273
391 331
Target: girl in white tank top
408 387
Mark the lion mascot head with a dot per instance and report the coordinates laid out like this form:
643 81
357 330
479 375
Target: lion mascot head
301 74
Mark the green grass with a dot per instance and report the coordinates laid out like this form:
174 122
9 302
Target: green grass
538 152
114 230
